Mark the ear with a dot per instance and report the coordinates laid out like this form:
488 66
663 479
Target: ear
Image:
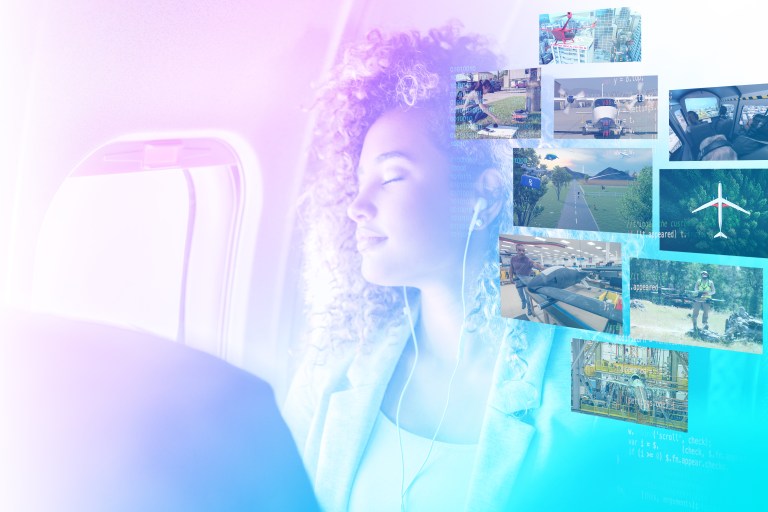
490 186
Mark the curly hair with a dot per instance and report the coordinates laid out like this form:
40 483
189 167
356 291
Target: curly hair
403 70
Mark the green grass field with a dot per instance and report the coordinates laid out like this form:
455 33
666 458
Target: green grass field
552 209
504 110
604 205
671 324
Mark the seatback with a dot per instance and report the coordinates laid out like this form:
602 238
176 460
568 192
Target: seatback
697 133
722 126
759 154
717 147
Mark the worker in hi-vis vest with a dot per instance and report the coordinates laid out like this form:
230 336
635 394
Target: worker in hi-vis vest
704 290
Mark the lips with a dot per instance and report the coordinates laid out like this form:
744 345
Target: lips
367 239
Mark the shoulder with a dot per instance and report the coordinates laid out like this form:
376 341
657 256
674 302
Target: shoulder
318 375
325 371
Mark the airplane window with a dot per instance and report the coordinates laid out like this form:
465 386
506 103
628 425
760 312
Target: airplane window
674 141
749 111
605 102
147 235
681 119
98 228
705 107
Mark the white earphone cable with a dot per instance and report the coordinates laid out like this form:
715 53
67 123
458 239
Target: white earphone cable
404 492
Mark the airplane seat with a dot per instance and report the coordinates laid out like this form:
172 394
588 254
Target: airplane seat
717 147
723 126
759 154
687 151
156 235
753 144
103 418
697 133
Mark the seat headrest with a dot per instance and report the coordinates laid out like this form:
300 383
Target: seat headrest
758 129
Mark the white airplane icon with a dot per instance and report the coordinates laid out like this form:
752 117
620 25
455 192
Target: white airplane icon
720 203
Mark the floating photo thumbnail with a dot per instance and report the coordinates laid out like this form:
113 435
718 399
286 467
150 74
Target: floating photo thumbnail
606 108
583 189
719 123
599 35
630 383
573 283
714 211
713 306
498 104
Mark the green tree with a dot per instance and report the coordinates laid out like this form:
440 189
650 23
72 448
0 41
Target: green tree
636 205
559 178
526 198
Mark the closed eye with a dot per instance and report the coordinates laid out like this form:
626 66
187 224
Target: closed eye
392 180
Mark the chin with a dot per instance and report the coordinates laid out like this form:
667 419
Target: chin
382 274
376 277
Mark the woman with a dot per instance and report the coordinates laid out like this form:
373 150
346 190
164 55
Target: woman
414 390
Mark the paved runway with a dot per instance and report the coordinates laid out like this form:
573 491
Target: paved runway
576 214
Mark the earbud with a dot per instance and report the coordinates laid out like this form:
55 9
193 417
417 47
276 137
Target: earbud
480 205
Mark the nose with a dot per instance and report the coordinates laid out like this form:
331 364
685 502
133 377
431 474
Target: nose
361 208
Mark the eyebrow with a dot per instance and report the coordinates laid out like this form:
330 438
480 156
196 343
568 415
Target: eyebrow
384 157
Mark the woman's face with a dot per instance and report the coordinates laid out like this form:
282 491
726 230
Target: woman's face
406 213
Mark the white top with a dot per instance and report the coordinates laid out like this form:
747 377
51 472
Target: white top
441 485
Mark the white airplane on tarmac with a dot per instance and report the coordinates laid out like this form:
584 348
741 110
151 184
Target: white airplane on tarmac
720 202
605 120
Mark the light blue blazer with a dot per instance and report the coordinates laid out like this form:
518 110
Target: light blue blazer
331 408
